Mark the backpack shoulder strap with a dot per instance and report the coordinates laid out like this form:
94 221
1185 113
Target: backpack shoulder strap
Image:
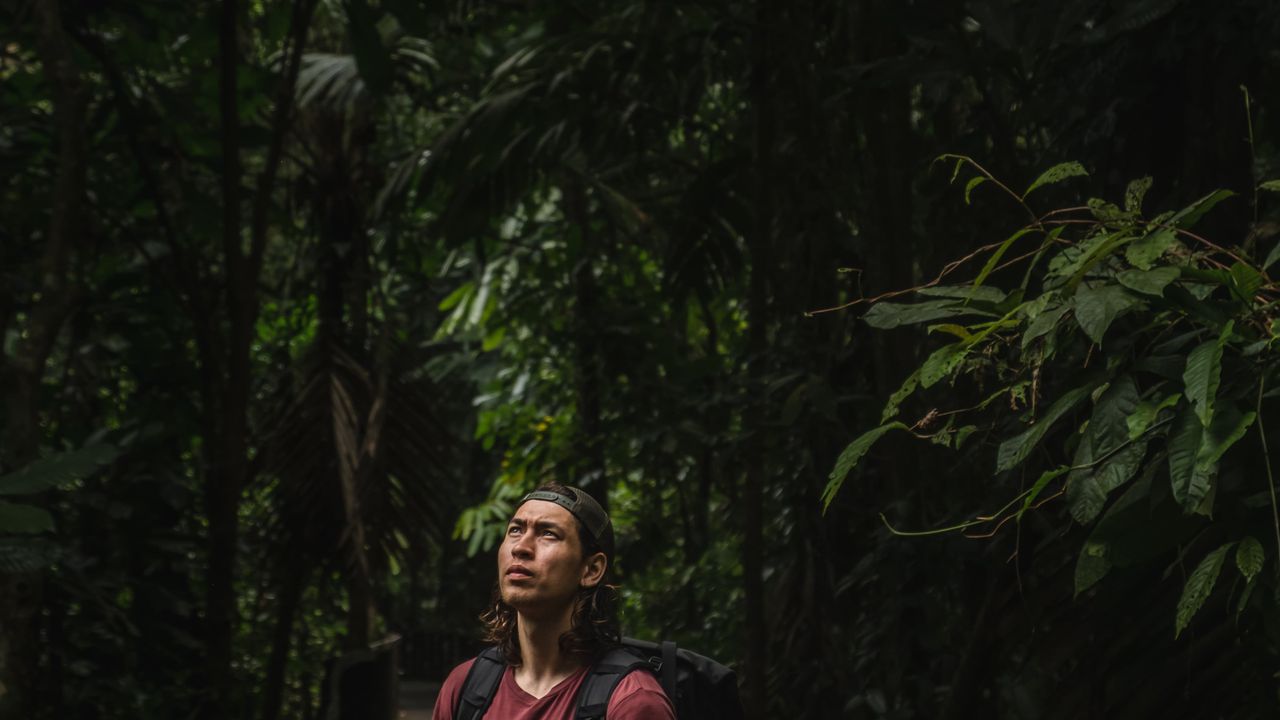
604 676
480 686
668 669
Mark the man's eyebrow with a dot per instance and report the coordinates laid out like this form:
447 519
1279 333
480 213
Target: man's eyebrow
537 524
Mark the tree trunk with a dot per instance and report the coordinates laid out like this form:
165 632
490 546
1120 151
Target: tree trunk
760 250
225 449
295 577
20 594
226 404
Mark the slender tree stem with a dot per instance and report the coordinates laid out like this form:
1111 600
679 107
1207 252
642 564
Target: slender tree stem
1266 460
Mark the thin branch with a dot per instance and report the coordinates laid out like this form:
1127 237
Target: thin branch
1164 226
947 270
1017 198
1063 211
1000 514
1266 458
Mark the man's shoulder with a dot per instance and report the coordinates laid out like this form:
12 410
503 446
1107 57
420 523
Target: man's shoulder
640 695
451 690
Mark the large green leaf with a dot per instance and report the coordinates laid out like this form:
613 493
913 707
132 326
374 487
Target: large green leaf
886 315
25 519
1106 457
1194 451
1146 413
1016 449
1203 374
1243 602
1245 282
902 393
850 457
1272 257
1249 557
980 293
941 362
1108 212
1073 257
1055 174
1097 307
1109 423
1087 490
1133 530
57 470
1105 547
1134 194
1190 483
1144 251
1091 566
1043 324
1149 282
1191 214
1226 429
1199 586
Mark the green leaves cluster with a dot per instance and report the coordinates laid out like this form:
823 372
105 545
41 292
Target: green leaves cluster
1134 353
46 474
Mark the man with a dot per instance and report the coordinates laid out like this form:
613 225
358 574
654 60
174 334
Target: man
553 616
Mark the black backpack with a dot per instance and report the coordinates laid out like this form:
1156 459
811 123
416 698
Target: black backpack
700 688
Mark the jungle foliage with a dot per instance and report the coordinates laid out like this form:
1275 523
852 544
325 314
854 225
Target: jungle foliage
1157 341
298 296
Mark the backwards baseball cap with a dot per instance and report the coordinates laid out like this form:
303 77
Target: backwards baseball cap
583 507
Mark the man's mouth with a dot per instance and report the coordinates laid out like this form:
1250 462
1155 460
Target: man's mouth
516 573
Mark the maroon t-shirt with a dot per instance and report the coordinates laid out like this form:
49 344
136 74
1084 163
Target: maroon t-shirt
638 696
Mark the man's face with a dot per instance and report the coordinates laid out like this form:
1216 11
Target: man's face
540 562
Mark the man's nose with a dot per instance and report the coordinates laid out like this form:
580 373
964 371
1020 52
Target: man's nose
522 548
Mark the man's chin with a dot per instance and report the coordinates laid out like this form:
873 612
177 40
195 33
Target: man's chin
517 597
529 603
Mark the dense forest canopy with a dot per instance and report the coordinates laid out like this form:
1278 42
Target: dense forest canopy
298 297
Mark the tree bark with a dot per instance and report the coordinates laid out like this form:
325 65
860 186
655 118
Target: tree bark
760 250
225 454
295 578
57 293
20 594
226 402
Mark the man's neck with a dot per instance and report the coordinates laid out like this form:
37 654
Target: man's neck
542 664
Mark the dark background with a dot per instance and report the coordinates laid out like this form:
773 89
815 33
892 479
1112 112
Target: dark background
296 297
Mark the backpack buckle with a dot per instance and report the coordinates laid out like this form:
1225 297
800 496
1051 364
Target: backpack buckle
655 662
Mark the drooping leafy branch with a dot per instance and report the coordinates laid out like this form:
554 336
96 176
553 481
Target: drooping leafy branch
1129 362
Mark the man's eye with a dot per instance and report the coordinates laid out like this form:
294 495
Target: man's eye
513 530
549 533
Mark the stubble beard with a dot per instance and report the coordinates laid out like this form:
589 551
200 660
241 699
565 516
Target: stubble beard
528 602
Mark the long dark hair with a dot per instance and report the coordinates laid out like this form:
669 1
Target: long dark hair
594 627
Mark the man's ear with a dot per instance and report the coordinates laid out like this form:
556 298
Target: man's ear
593 570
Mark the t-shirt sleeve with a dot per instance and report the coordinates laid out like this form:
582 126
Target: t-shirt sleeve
450 691
639 696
